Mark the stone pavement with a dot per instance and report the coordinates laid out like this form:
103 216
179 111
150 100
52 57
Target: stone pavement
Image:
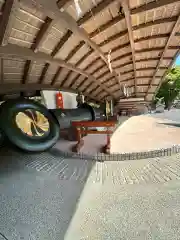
44 196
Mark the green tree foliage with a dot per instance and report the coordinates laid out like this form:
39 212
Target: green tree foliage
170 88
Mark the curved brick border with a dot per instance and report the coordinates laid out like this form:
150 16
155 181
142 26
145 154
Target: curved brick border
126 156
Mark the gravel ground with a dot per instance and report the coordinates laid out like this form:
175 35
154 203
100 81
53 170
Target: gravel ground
147 132
44 197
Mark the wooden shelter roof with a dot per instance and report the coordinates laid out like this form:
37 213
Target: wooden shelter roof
48 45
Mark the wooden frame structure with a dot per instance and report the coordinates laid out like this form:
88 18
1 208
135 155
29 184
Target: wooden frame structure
46 44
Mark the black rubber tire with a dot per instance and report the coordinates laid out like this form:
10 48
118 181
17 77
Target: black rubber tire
9 110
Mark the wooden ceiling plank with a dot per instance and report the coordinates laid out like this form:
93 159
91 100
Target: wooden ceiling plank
175 27
94 11
61 3
125 6
6 20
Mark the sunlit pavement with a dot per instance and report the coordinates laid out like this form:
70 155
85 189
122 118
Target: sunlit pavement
47 197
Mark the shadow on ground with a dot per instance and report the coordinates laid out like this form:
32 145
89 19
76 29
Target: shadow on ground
39 193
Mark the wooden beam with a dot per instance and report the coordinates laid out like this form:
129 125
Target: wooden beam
43 74
175 27
51 9
74 51
125 6
113 37
42 34
143 85
152 59
6 21
15 51
97 69
82 83
75 84
39 39
72 82
87 86
155 49
56 76
27 69
17 88
121 17
84 57
61 43
152 5
155 22
92 63
140 26
66 78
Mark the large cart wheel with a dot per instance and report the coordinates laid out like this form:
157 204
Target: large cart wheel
29 125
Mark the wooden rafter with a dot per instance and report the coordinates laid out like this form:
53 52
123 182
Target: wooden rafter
152 5
39 39
72 82
6 21
85 87
155 22
56 76
11 88
126 10
169 67
61 43
66 78
43 74
27 69
175 27
140 26
76 85
52 11
42 34
74 51
15 51
82 83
